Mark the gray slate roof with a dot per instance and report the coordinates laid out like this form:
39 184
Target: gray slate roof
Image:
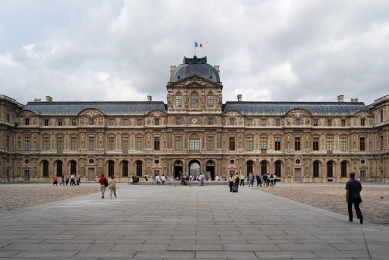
108 108
198 66
315 108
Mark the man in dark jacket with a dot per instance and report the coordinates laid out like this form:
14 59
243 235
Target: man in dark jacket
353 196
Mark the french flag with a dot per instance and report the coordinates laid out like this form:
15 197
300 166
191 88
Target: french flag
198 45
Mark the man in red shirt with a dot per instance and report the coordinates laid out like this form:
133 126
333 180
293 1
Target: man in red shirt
102 185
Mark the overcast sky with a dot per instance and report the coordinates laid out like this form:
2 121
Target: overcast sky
93 50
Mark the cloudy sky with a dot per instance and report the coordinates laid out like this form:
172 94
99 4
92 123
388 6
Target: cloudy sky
94 50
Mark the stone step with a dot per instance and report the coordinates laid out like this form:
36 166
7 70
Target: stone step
179 183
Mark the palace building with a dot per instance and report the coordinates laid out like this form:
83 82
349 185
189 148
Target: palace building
194 132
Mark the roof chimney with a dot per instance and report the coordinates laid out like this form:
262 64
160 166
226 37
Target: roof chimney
354 100
217 68
240 97
49 99
149 98
341 98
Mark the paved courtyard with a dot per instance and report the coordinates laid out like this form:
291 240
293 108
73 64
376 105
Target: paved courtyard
181 222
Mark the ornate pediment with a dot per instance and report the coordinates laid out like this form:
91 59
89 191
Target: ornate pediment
27 114
232 114
298 113
194 82
157 113
91 113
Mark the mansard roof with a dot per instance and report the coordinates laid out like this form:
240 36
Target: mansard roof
195 66
281 108
108 108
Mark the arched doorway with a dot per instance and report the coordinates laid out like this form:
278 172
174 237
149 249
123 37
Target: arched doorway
210 169
194 168
178 169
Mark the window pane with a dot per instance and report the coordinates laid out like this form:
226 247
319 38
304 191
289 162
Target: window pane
263 143
210 143
111 143
139 143
91 143
60 143
195 99
249 143
210 100
178 143
178 100
329 143
74 143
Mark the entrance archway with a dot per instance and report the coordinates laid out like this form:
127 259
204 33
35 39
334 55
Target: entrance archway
194 168
178 169
210 169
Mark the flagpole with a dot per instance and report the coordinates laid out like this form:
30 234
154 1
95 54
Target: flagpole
194 47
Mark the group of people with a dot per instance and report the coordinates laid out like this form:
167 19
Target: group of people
74 180
238 180
111 184
161 179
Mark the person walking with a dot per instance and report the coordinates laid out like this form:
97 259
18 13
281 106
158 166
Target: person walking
62 181
146 177
55 180
72 183
353 196
274 179
236 180
230 182
163 179
112 187
251 179
67 179
264 177
271 180
103 183
158 180
241 180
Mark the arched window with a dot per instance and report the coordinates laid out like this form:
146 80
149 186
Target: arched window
343 169
316 168
263 167
277 165
195 99
330 169
73 167
249 167
139 168
194 142
45 168
59 168
111 168
178 99
210 99
125 168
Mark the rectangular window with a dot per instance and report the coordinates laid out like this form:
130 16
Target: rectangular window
382 142
27 121
156 121
249 143
315 122
343 122
73 143
249 122
125 143
178 121
46 122
210 143
278 122
111 122
232 121
91 143
139 143
263 122
329 143
194 144
178 100
297 121
210 100
125 122
60 143
232 143
7 142
178 143
343 144
297 143
60 122
74 122
8 116
362 144
277 143
156 143
329 122
27 143
111 143
263 143
315 145
362 122
210 121
46 143
382 116
139 122
91 121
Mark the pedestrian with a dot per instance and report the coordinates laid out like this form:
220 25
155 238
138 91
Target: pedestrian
55 180
241 180
251 179
78 178
230 182
163 179
112 187
67 179
274 179
259 180
264 177
236 180
271 180
158 180
72 183
267 180
62 181
202 179
147 177
103 183
353 196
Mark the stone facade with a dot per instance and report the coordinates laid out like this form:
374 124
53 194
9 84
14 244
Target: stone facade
194 132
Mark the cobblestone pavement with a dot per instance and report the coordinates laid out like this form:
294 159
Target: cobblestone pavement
375 204
18 196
